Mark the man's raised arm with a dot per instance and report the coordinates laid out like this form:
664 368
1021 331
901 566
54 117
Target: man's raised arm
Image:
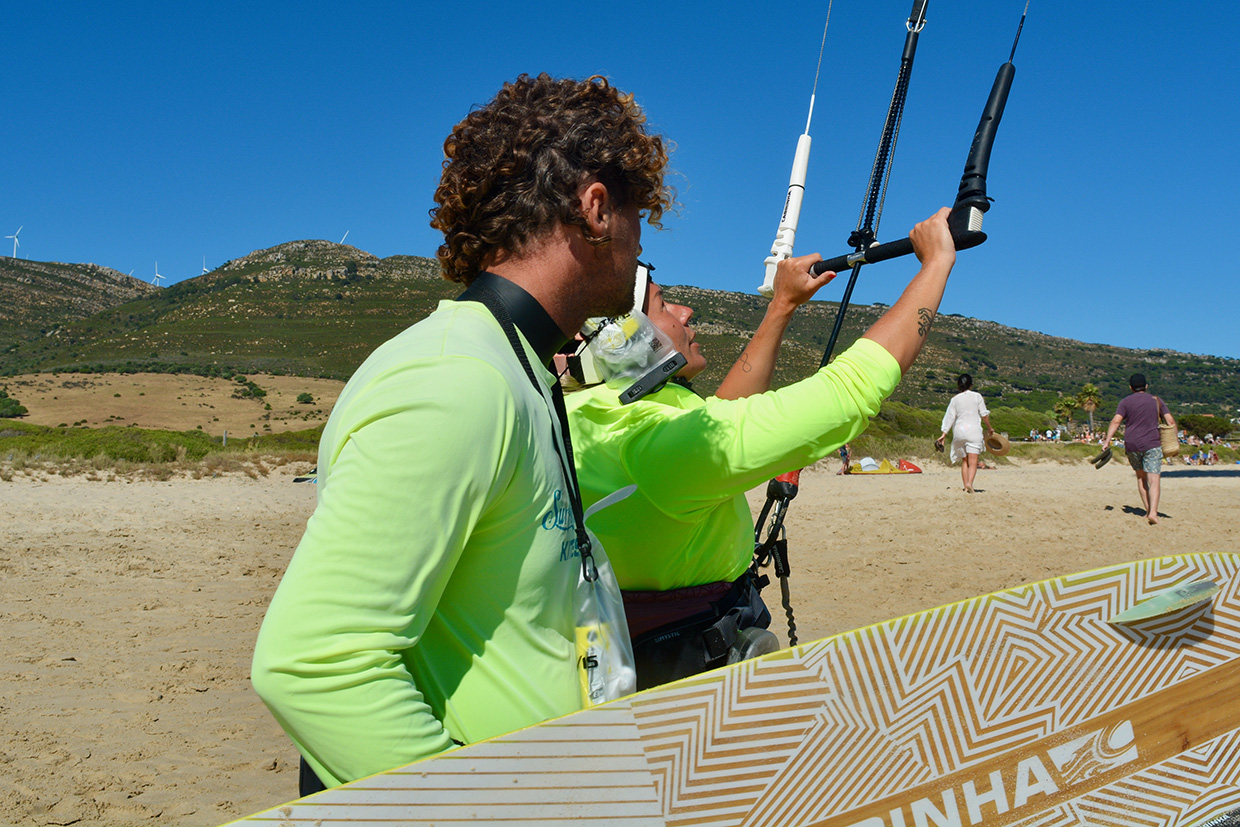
794 286
902 330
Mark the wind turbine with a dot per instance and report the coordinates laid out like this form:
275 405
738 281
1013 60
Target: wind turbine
346 235
16 244
155 280
204 265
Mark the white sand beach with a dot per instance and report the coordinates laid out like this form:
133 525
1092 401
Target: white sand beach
130 607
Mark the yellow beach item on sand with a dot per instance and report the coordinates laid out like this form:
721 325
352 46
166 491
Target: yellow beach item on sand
885 467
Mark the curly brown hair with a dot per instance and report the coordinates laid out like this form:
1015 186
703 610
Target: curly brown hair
513 168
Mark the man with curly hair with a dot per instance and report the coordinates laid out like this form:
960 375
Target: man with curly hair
430 600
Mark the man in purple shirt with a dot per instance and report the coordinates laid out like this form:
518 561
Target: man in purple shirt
1140 414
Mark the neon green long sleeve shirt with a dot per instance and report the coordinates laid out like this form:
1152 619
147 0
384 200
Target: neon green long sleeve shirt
430 598
692 459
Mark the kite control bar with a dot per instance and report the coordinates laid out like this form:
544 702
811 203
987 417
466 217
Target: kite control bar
965 221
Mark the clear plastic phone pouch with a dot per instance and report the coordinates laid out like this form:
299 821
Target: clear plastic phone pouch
605 664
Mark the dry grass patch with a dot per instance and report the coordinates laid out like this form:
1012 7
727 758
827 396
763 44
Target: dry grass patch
175 402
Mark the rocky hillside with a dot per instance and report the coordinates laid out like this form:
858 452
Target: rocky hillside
37 295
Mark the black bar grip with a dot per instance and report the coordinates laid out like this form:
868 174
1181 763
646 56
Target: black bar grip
876 253
965 223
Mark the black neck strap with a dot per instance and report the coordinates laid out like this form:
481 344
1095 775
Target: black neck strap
534 322
484 293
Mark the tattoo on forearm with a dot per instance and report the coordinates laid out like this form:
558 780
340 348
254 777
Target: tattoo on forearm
744 362
925 318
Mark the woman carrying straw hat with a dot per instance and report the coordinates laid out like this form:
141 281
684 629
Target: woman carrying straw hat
964 417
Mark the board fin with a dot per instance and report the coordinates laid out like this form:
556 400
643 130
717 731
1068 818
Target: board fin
1166 602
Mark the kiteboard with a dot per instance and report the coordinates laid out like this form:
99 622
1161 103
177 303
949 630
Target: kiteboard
1105 698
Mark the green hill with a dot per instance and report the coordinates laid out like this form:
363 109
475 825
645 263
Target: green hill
315 308
308 308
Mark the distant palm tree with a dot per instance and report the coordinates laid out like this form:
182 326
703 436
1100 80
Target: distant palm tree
1088 399
1064 409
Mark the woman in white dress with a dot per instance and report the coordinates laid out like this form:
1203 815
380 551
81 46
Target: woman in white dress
965 415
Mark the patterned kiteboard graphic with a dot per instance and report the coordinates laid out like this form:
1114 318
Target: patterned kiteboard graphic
1025 707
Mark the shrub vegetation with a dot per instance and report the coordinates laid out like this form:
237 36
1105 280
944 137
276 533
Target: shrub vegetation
10 407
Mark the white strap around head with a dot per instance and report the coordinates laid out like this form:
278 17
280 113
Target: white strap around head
640 285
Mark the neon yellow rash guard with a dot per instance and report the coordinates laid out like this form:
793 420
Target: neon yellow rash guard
431 596
692 459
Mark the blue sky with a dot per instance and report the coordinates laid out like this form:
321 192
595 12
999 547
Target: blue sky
142 132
